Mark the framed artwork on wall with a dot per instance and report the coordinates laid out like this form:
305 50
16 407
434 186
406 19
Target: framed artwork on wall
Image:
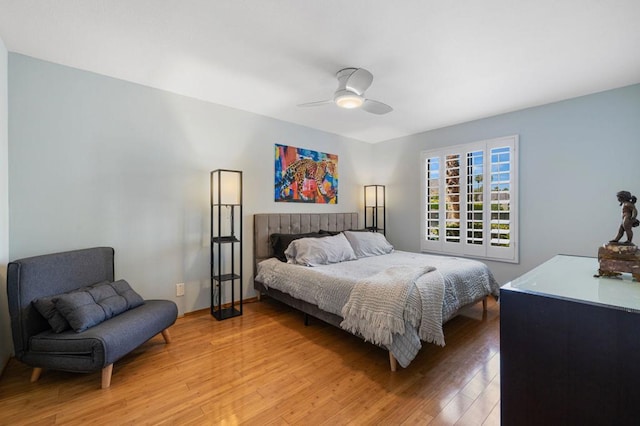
305 176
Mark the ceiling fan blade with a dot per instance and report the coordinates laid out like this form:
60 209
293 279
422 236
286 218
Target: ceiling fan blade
359 81
317 103
375 107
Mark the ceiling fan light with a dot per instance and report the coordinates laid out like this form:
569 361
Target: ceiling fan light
349 101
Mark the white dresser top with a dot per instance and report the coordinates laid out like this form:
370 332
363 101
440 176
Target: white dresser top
572 277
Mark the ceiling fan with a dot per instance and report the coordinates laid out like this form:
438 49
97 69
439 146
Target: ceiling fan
352 82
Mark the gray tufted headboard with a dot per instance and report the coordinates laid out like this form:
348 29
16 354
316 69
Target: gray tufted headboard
265 224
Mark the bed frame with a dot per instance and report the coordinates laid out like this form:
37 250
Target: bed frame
266 224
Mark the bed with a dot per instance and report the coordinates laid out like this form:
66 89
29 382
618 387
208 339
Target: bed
357 281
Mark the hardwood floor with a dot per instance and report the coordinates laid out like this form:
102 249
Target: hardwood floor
265 368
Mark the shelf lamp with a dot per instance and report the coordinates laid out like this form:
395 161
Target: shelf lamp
374 208
226 243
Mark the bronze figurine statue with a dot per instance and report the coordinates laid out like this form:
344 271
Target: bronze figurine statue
629 220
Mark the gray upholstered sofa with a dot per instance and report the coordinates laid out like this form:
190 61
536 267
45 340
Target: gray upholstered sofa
98 346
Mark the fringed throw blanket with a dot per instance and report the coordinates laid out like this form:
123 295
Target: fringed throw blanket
431 289
378 306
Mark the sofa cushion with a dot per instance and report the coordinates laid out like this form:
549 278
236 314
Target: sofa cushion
88 307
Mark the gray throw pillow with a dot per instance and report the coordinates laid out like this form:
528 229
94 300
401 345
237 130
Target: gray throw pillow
124 289
88 306
84 309
80 310
47 308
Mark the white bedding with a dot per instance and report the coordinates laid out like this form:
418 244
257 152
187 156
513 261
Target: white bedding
330 286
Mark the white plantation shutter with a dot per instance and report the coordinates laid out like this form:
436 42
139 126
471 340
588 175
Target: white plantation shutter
452 198
432 210
470 200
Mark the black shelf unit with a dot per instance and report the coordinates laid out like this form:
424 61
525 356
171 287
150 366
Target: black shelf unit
226 243
374 208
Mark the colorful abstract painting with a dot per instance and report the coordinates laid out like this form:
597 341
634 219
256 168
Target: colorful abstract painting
305 176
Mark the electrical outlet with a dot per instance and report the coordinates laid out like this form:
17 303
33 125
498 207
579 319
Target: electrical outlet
180 289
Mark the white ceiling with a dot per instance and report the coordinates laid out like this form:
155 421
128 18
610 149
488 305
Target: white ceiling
437 63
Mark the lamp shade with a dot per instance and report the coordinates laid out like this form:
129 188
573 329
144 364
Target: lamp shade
374 196
226 187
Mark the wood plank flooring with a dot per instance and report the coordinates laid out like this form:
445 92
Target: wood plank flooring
267 368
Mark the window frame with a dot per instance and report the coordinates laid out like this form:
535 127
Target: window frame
484 250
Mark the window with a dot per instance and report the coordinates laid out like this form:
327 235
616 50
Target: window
471 200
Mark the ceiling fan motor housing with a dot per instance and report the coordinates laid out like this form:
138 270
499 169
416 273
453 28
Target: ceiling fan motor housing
348 99
352 83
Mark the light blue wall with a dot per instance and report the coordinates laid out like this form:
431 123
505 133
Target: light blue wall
100 161
574 156
5 330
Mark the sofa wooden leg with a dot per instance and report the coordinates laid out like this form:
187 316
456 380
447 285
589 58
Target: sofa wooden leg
106 376
35 374
484 304
166 335
393 362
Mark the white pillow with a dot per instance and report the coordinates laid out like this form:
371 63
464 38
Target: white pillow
367 244
319 251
